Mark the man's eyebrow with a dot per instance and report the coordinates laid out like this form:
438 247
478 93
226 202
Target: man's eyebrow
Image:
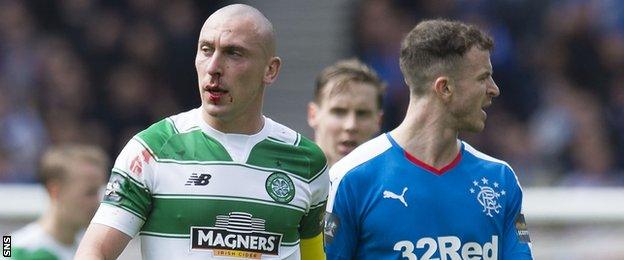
234 47
486 73
205 42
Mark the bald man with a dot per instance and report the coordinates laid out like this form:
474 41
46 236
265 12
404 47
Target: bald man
222 180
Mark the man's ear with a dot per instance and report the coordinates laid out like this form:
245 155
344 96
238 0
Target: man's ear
313 109
443 88
271 72
54 188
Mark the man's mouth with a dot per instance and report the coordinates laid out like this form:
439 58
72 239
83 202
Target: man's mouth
215 93
347 146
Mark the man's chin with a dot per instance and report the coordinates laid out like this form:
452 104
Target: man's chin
214 110
474 128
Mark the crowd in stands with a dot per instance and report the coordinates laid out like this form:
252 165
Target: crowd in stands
559 66
98 71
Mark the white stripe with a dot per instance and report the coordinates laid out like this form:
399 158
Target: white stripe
486 157
255 167
118 218
186 121
360 155
483 156
318 205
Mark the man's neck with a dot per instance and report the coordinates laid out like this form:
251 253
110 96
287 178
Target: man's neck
242 125
425 134
55 227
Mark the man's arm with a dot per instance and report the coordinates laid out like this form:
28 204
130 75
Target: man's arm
516 241
312 248
102 242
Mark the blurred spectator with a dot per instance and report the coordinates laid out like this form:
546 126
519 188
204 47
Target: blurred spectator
380 27
72 175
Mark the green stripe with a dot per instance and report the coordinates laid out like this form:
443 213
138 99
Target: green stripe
175 216
319 173
127 176
315 155
202 197
312 223
175 128
194 145
19 253
125 208
157 134
128 195
302 161
164 141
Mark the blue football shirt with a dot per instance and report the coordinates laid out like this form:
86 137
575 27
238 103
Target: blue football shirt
385 204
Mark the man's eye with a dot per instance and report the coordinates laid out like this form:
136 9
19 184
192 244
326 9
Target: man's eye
206 49
339 112
363 114
235 53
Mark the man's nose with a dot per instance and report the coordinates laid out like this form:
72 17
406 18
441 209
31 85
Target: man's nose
214 67
350 122
493 89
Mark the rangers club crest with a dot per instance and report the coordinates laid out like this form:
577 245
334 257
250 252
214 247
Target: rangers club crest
487 196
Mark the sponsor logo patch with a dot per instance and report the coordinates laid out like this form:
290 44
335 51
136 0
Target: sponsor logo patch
280 187
236 235
113 188
331 226
197 179
521 226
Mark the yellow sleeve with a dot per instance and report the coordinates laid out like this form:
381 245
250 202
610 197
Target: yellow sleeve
312 248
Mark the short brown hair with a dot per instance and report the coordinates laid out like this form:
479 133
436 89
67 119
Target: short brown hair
436 46
346 71
55 162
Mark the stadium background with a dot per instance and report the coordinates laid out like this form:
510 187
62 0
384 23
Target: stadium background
99 71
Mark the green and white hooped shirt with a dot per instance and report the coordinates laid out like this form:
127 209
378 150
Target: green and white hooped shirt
32 242
193 192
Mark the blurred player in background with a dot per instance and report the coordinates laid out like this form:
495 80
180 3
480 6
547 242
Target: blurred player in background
73 175
222 180
419 191
346 110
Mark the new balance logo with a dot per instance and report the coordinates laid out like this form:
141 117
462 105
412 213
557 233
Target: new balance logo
392 195
197 179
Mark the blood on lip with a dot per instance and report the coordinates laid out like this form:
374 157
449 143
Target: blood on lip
215 94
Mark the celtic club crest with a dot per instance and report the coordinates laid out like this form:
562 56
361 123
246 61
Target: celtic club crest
280 187
487 196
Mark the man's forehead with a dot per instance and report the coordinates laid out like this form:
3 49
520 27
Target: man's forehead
242 27
479 57
336 91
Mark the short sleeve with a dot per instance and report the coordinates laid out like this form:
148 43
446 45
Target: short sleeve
516 241
312 222
127 200
341 229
